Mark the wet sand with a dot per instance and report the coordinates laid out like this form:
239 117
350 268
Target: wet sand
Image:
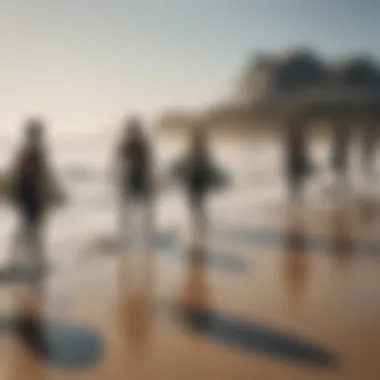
280 291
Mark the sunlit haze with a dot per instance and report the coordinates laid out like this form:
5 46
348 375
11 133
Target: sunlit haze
83 64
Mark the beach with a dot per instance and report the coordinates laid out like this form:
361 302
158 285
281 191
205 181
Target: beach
300 281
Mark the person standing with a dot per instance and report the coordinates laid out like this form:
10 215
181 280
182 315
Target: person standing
298 164
199 175
135 178
341 148
32 176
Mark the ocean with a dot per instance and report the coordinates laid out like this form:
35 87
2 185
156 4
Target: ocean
257 191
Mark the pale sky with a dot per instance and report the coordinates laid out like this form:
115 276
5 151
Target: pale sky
85 63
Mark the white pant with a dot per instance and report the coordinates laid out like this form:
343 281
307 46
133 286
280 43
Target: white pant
133 223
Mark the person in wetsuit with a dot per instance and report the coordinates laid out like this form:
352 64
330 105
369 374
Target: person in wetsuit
297 160
198 175
134 166
31 174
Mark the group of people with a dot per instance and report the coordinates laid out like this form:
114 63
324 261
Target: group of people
135 178
298 162
33 177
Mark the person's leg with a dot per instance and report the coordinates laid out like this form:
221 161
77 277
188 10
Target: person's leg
342 177
124 220
293 171
35 235
198 212
148 221
26 229
39 243
19 242
202 213
201 221
295 186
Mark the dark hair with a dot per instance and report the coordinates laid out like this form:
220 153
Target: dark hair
134 128
34 125
34 130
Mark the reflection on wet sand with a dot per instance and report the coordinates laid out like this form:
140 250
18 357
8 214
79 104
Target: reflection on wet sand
368 212
196 292
26 264
341 239
30 326
53 343
196 313
136 303
247 332
315 243
295 258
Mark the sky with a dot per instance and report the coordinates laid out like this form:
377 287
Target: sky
85 64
